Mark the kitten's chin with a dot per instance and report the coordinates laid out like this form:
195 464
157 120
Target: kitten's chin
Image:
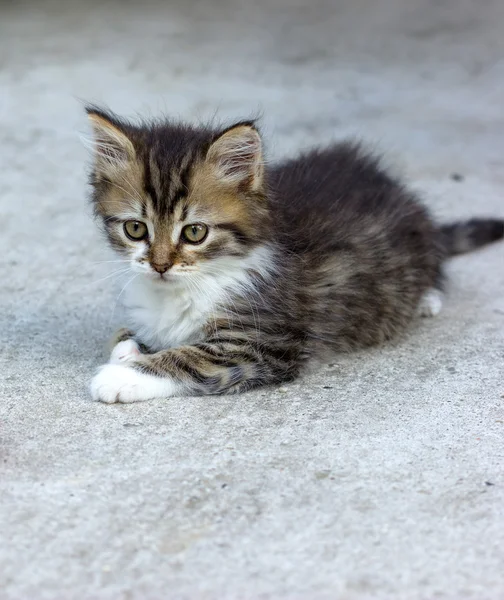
166 279
161 280
157 279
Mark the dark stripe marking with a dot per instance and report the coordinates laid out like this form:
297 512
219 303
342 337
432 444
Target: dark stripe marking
181 192
148 187
233 228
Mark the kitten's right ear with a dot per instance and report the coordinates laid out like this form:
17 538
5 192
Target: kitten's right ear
113 149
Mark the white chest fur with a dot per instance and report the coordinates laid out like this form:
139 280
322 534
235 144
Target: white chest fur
171 315
166 316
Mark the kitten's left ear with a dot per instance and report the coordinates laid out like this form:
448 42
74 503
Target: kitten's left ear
113 149
236 156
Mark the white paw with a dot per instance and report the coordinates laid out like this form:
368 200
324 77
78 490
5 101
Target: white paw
124 352
431 303
116 383
120 383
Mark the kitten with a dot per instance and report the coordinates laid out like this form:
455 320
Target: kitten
242 272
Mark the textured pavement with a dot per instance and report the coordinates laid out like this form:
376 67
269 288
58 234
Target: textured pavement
378 475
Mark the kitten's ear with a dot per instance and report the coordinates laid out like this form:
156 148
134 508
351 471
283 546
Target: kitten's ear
236 156
113 149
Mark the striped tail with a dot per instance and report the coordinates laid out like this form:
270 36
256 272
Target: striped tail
466 236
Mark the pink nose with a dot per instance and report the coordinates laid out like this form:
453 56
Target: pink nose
161 268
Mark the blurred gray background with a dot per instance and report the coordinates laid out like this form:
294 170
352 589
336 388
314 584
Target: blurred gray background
377 475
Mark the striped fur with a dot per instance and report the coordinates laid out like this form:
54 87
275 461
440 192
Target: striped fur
325 250
459 238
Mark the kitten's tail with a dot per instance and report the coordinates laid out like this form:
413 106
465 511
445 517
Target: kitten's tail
459 238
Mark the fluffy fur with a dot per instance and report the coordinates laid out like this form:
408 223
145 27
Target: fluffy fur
323 250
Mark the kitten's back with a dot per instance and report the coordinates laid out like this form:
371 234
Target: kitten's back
368 248
340 192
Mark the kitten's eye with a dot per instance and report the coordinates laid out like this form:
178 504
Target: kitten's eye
135 230
194 234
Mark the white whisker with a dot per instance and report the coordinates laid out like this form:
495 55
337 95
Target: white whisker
120 294
110 275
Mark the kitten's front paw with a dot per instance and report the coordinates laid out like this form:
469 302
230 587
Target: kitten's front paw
122 383
117 383
124 351
121 335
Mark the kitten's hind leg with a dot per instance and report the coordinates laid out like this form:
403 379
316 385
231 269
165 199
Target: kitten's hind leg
430 303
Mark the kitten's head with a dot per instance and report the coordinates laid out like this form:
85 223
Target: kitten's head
177 200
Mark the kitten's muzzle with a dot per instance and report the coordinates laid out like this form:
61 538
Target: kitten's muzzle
161 268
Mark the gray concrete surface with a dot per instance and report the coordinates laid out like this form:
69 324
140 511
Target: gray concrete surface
378 475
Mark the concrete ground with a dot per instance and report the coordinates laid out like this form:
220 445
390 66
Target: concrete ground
378 475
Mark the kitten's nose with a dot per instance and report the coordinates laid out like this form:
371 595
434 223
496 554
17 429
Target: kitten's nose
161 268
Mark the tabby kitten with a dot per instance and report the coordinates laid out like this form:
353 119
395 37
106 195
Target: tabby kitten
242 272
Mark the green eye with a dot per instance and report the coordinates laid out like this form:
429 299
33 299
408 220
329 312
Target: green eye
135 230
194 234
